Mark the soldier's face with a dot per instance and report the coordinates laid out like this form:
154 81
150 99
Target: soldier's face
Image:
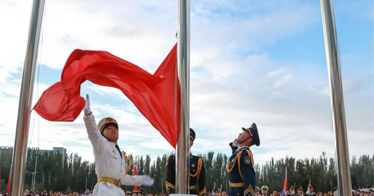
243 137
111 132
264 191
191 143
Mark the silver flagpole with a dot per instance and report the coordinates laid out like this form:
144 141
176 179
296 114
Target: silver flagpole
21 138
183 148
337 101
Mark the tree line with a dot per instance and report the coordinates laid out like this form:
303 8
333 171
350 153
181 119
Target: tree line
67 172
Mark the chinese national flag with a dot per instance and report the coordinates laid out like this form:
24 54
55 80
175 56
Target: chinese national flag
156 96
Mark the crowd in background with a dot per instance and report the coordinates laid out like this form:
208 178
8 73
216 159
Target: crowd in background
263 191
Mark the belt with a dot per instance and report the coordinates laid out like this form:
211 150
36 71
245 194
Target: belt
193 187
110 180
237 184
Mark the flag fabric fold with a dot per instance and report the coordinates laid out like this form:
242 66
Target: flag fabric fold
156 96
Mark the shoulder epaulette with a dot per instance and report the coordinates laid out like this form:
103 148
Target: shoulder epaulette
199 165
195 157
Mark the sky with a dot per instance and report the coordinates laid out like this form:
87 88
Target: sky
251 61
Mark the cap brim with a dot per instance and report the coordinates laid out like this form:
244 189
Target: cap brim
244 129
114 124
108 124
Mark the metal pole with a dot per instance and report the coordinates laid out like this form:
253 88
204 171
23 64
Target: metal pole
337 101
331 184
1 151
21 138
182 150
85 185
34 176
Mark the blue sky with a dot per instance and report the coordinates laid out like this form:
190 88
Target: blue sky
251 61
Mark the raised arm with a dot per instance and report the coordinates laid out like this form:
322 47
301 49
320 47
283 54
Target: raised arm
234 145
93 132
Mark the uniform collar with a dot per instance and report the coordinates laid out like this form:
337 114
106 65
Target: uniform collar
240 148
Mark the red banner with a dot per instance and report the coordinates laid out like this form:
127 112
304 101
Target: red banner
156 96
135 173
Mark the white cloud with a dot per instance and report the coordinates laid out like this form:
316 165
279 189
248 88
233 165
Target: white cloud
282 80
233 81
278 71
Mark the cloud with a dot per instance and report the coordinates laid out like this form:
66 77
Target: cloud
234 79
278 71
282 80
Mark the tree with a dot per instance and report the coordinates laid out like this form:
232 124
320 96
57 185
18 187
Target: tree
57 171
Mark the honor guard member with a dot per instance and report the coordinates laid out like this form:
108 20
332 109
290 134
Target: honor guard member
110 164
240 167
197 172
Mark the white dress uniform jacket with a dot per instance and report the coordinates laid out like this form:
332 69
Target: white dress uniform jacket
108 162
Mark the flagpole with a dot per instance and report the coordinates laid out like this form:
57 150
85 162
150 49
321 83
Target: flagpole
183 148
20 144
337 101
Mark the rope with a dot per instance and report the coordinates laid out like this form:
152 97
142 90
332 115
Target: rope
129 159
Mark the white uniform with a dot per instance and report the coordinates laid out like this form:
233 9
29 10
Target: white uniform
108 162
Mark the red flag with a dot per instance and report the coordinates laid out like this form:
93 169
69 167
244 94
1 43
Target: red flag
156 96
8 188
135 173
285 184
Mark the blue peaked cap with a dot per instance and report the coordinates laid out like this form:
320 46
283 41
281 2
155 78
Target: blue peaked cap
253 131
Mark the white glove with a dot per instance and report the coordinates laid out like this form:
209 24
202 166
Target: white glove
87 109
147 180
235 143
